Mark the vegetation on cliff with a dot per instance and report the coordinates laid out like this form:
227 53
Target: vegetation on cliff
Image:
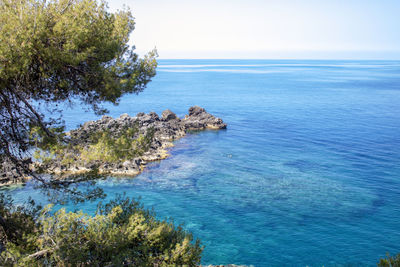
103 146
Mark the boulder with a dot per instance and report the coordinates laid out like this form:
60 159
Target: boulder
154 116
124 116
196 110
199 119
168 115
9 173
106 118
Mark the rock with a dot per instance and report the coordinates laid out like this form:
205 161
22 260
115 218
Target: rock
147 119
154 116
9 173
168 115
106 118
138 161
127 164
194 125
124 116
199 119
196 110
91 165
166 130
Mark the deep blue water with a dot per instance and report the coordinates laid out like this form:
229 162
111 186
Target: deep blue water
307 173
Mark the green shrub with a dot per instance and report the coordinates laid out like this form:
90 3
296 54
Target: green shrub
390 261
120 233
103 146
17 227
128 145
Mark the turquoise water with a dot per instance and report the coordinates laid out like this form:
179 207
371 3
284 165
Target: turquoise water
307 172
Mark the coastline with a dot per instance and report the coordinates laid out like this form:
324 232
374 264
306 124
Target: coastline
158 134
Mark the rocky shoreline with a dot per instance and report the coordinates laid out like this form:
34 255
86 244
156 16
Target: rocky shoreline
156 134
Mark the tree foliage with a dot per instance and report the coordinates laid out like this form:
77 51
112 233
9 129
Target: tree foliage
17 223
58 51
390 261
120 233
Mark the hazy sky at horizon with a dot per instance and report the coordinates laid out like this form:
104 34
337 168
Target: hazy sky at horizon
306 29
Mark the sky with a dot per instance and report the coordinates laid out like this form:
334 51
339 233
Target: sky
266 29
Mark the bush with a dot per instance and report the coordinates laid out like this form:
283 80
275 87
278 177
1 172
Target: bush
120 233
128 145
390 261
103 146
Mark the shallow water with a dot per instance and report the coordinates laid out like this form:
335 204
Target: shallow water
307 172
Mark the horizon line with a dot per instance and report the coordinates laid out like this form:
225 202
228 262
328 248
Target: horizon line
311 59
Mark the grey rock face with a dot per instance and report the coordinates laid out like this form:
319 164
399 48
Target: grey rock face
154 116
107 118
168 115
199 119
196 110
9 173
124 116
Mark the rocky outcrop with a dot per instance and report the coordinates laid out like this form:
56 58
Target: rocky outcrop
164 131
168 115
9 173
199 119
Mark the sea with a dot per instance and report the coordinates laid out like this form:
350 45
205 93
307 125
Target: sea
306 174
